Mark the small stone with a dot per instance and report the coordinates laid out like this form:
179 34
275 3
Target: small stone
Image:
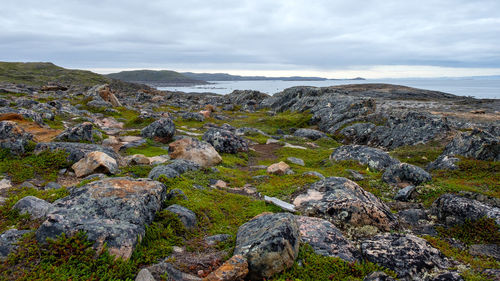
405 194
296 161
34 206
236 268
355 175
294 146
52 185
144 275
272 141
137 159
314 174
220 184
95 162
278 168
187 217
214 239
5 184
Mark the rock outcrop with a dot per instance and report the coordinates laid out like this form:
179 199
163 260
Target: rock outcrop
200 152
161 130
78 133
13 137
373 157
453 209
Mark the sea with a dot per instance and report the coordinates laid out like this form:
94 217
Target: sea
483 88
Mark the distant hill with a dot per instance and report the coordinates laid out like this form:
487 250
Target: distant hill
156 77
42 73
229 77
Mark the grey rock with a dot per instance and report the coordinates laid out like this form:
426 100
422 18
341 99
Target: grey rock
296 161
282 204
326 239
176 193
404 194
448 276
310 134
378 276
193 116
160 269
488 250
443 162
78 133
314 174
13 137
214 239
8 241
408 255
359 133
404 172
187 217
453 209
144 275
373 157
173 169
52 185
34 206
76 151
344 203
355 175
162 130
476 144
225 141
269 242
114 211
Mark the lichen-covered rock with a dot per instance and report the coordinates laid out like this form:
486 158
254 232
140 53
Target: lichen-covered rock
13 137
76 151
36 207
343 202
373 157
326 239
443 162
296 161
453 209
269 242
406 173
476 144
310 134
162 269
358 133
187 217
225 141
112 211
448 276
8 241
78 133
95 162
234 269
280 168
196 116
404 194
378 276
408 255
174 169
161 130
194 150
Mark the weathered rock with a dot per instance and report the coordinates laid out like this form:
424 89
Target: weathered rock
95 162
408 255
8 241
161 130
359 133
76 151
194 150
112 211
13 137
225 141
282 204
269 242
373 157
36 207
343 202
144 275
443 162
310 134
137 159
453 209
488 250
405 173
214 239
476 144
52 185
448 276
296 161
326 239
5 184
355 175
196 116
187 217
102 96
404 194
165 268
313 174
78 133
278 168
174 169
234 269
378 276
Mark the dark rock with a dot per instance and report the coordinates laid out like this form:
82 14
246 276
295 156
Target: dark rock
296 161
313 174
310 134
8 241
373 157
443 162
173 169
200 152
78 133
270 243
52 185
112 211
359 133
248 99
343 202
488 250
187 217
225 141
173 274
75 150
408 255
34 206
448 276
176 193
453 209
326 239
378 276
355 175
214 239
193 116
406 173
162 130
405 194
476 144
13 137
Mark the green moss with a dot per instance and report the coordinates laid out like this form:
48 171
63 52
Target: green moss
57 123
310 266
270 123
468 232
420 154
138 123
136 171
149 149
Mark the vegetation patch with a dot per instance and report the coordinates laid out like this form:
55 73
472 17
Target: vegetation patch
420 154
149 149
468 232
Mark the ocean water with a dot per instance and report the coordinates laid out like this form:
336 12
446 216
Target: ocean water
485 88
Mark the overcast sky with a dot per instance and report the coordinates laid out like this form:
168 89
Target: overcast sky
389 38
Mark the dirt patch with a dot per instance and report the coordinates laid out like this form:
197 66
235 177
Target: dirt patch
40 133
263 152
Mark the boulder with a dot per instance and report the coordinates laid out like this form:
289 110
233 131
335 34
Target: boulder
296 161
162 269
194 150
234 269
358 133
95 162
36 207
310 134
404 194
343 202
405 173
102 96
409 256
443 162
8 241
13 137
225 141
280 168
78 133
76 151
373 157
137 159
161 130
326 239
144 275
187 217
453 209
269 242
195 116
112 211
174 169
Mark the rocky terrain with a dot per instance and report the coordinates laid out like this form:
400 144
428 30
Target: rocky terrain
118 181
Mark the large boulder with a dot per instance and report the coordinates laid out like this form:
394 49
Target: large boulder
225 141
76 151
112 211
270 243
343 202
310 134
405 173
453 209
326 239
193 116
174 169
102 96
13 137
161 130
36 207
200 152
411 257
95 162
373 157
78 133
8 241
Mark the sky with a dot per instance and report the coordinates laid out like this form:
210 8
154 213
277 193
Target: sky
333 38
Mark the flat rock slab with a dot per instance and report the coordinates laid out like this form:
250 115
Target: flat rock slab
373 157
114 211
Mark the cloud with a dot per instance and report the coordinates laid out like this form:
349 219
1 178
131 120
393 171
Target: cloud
270 35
